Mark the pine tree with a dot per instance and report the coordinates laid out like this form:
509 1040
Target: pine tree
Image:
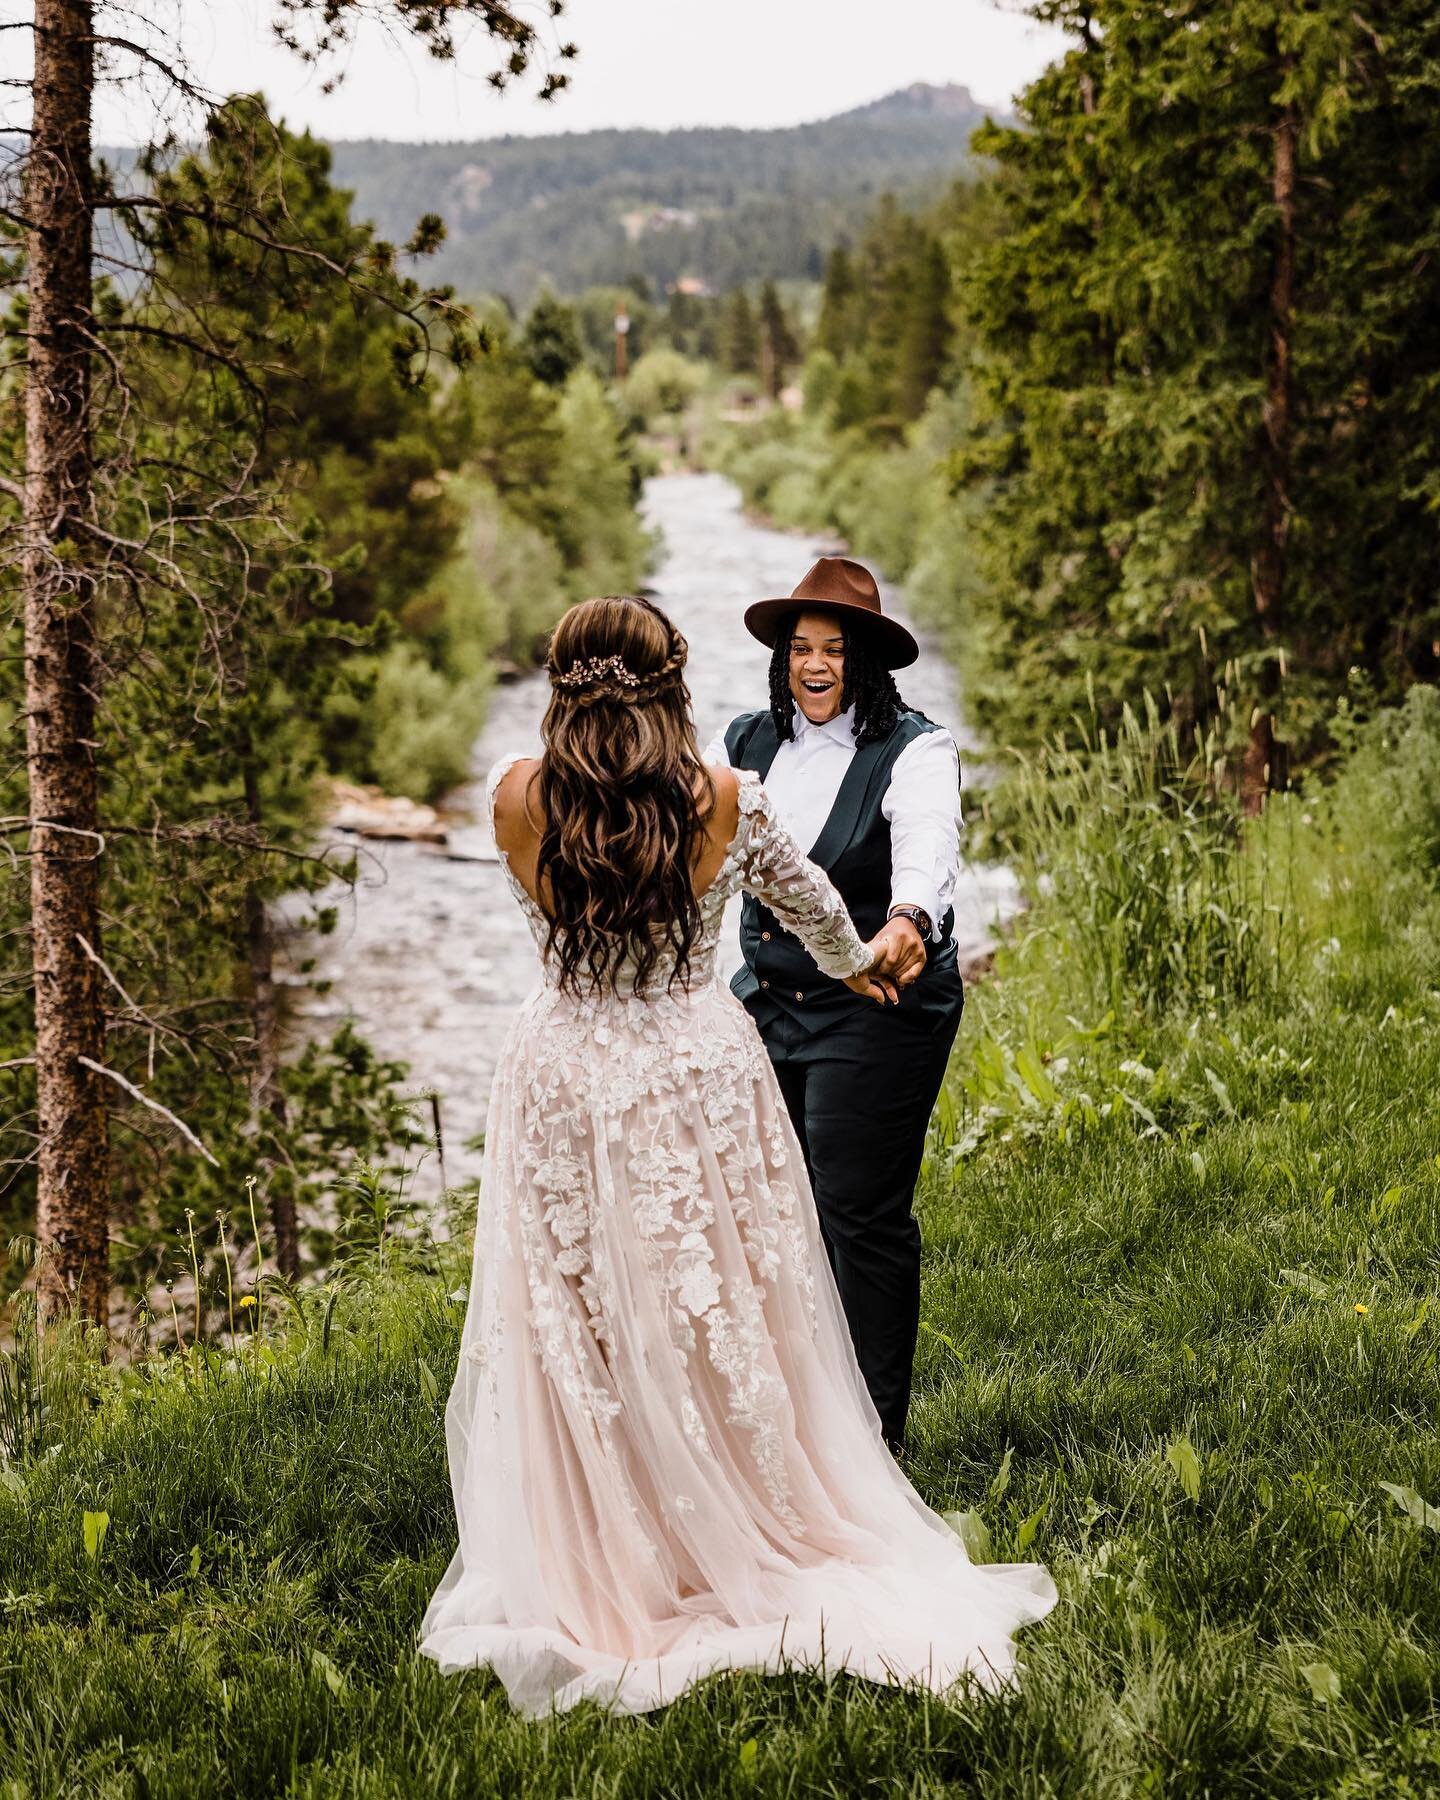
925 331
1186 445
779 349
77 552
740 336
837 328
551 341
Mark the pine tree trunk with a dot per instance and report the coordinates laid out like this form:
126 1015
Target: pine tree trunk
1268 572
72 1211
267 1095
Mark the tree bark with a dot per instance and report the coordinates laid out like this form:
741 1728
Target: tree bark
72 1205
1268 568
267 1095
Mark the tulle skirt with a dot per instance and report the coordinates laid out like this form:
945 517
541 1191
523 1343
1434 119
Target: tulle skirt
664 1458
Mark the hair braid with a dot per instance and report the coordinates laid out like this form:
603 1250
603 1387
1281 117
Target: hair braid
869 687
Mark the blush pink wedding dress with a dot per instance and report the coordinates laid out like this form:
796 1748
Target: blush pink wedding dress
664 1458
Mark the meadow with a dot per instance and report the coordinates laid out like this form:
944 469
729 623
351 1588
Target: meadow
1181 1328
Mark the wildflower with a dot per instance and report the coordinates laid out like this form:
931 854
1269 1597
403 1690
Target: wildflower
247 1299
1360 1307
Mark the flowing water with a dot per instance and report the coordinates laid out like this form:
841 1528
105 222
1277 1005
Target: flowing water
431 955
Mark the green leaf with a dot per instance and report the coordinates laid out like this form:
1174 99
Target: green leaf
1324 1682
1002 1474
1025 1536
1382 1208
1421 1315
973 1533
1311 1284
429 1386
332 1676
1032 1073
1144 1112
93 1526
947 1341
749 1755
194 1560
1186 1464
1422 1514
1220 1091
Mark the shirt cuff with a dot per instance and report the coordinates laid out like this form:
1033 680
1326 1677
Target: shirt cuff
910 889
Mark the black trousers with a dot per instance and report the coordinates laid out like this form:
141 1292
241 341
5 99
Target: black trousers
860 1093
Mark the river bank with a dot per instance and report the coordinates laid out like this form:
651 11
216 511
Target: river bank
431 956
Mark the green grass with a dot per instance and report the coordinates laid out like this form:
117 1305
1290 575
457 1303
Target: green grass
1150 1226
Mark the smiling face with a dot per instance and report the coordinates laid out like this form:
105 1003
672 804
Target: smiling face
817 665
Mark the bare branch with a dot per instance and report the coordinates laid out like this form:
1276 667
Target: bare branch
145 1100
107 971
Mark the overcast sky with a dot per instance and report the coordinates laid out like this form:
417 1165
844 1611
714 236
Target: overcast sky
642 62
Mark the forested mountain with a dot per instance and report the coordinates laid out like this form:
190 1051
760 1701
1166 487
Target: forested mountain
723 206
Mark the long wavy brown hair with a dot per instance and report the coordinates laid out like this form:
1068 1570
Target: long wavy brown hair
623 794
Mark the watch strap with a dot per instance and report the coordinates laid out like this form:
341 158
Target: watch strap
917 916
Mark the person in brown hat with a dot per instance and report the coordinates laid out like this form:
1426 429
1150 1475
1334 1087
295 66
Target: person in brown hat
871 790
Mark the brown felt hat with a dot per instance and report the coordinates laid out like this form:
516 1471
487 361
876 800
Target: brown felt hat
840 585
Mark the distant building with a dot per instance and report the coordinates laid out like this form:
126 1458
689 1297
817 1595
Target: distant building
657 218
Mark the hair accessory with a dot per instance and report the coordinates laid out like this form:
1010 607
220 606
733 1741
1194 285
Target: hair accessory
596 669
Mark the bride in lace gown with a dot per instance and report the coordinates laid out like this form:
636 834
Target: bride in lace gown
664 1458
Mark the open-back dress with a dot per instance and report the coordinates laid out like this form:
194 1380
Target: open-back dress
664 1458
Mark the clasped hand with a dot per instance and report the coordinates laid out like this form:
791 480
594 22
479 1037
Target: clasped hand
899 952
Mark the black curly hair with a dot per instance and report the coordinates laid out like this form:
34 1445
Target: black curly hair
869 686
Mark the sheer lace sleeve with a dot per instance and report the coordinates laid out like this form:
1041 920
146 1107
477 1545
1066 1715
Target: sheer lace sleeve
775 869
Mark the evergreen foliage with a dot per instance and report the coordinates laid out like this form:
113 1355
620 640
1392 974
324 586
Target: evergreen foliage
350 543
551 341
740 336
1151 410
1206 357
779 348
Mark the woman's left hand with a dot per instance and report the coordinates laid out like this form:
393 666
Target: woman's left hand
873 987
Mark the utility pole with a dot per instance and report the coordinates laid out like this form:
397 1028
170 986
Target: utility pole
622 350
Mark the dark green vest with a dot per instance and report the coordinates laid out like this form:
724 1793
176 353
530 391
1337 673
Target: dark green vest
854 850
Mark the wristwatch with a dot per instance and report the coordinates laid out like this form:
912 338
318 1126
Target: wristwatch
917 916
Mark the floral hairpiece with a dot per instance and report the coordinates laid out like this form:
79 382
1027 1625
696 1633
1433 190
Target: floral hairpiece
596 669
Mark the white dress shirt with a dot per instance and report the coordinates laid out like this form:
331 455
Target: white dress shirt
921 804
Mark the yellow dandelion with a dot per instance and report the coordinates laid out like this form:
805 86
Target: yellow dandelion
1360 1307
249 1300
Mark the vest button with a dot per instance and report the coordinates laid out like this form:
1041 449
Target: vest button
763 982
765 937
798 994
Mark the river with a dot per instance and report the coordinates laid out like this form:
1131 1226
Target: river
431 955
